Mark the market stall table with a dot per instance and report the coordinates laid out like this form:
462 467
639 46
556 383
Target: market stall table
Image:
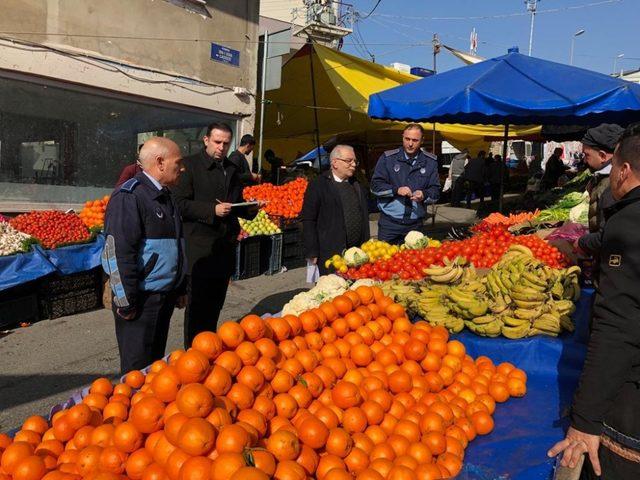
524 427
527 427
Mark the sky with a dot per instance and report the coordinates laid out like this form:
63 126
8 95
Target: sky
392 31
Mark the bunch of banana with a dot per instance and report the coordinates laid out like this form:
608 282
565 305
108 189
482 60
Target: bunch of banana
466 303
403 293
518 298
485 325
451 272
431 307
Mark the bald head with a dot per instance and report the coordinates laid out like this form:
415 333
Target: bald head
161 158
155 147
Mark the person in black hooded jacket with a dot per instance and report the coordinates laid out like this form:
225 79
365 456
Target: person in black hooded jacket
605 419
335 215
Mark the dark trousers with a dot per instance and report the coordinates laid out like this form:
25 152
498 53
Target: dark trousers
393 232
206 299
613 467
457 190
143 340
495 192
477 189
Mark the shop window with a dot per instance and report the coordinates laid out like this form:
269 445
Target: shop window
62 145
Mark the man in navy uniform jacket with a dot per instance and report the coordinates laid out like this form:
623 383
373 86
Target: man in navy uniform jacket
404 181
144 255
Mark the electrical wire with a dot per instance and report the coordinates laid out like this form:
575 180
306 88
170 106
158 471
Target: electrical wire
372 10
113 66
505 15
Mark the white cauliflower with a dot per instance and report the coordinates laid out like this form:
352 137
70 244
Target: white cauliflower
11 240
327 288
363 282
415 240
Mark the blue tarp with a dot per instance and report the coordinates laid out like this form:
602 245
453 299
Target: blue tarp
76 258
23 268
515 89
527 427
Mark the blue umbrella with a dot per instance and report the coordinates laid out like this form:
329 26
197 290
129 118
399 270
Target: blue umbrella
512 89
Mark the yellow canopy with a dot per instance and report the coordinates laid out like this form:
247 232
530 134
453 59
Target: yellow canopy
343 84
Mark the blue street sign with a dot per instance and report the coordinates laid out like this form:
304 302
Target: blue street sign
222 54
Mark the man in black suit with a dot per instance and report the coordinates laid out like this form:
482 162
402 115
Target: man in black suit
205 193
335 214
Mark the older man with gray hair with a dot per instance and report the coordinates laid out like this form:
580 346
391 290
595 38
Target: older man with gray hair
335 214
144 255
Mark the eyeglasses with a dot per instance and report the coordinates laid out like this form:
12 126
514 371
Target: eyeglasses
348 161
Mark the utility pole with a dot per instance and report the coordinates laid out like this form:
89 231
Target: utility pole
532 6
436 50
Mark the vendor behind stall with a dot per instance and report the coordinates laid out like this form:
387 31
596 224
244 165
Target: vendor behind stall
553 170
598 145
605 419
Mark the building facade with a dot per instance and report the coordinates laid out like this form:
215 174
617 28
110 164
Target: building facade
83 83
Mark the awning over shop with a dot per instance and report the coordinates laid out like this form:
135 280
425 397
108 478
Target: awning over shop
343 84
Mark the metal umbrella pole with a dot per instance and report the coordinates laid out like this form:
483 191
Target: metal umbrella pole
502 165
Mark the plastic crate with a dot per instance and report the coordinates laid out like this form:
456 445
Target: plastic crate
293 250
62 295
293 255
19 309
57 284
71 303
251 259
292 234
275 254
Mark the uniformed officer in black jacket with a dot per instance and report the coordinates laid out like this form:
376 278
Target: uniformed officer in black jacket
144 255
605 418
205 194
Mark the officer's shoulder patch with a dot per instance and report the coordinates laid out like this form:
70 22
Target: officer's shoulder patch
129 185
388 153
429 154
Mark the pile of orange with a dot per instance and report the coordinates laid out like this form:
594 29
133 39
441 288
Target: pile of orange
92 214
282 200
349 390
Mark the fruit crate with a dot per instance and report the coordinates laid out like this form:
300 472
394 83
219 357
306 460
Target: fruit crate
292 234
293 256
251 259
57 284
62 295
275 254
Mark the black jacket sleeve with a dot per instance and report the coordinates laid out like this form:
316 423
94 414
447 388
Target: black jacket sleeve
310 211
610 355
192 210
615 337
591 242
123 227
